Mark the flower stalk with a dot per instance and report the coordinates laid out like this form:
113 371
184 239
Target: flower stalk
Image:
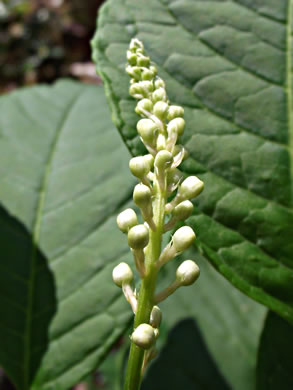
160 128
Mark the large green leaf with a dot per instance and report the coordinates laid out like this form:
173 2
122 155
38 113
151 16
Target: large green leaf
275 357
229 64
63 176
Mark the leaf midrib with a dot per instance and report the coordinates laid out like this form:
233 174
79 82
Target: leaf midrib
36 238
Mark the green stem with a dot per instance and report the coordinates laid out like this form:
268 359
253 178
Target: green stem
147 290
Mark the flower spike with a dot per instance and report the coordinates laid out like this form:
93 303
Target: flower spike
159 127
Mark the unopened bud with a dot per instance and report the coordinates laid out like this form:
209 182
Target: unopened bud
175 112
159 94
176 126
163 160
134 71
156 317
161 110
161 142
174 177
183 210
143 336
147 129
187 272
139 167
142 196
147 74
143 60
179 153
149 160
144 106
126 220
122 274
183 238
159 83
153 69
131 57
136 44
190 187
142 87
138 237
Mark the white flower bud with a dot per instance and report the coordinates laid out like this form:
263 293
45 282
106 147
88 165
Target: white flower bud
187 273
133 71
160 110
159 83
183 210
142 196
148 130
136 91
147 74
139 167
161 142
183 238
156 317
144 336
131 57
159 94
143 60
179 154
122 274
138 237
190 187
176 126
148 86
149 160
144 106
153 69
175 112
163 160
126 220
174 177
142 88
136 44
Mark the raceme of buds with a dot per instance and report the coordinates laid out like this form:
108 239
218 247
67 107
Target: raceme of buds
126 220
144 336
159 128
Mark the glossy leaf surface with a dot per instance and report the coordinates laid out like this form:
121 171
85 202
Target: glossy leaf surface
64 175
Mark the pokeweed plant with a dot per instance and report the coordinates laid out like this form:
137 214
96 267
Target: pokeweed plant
159 178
